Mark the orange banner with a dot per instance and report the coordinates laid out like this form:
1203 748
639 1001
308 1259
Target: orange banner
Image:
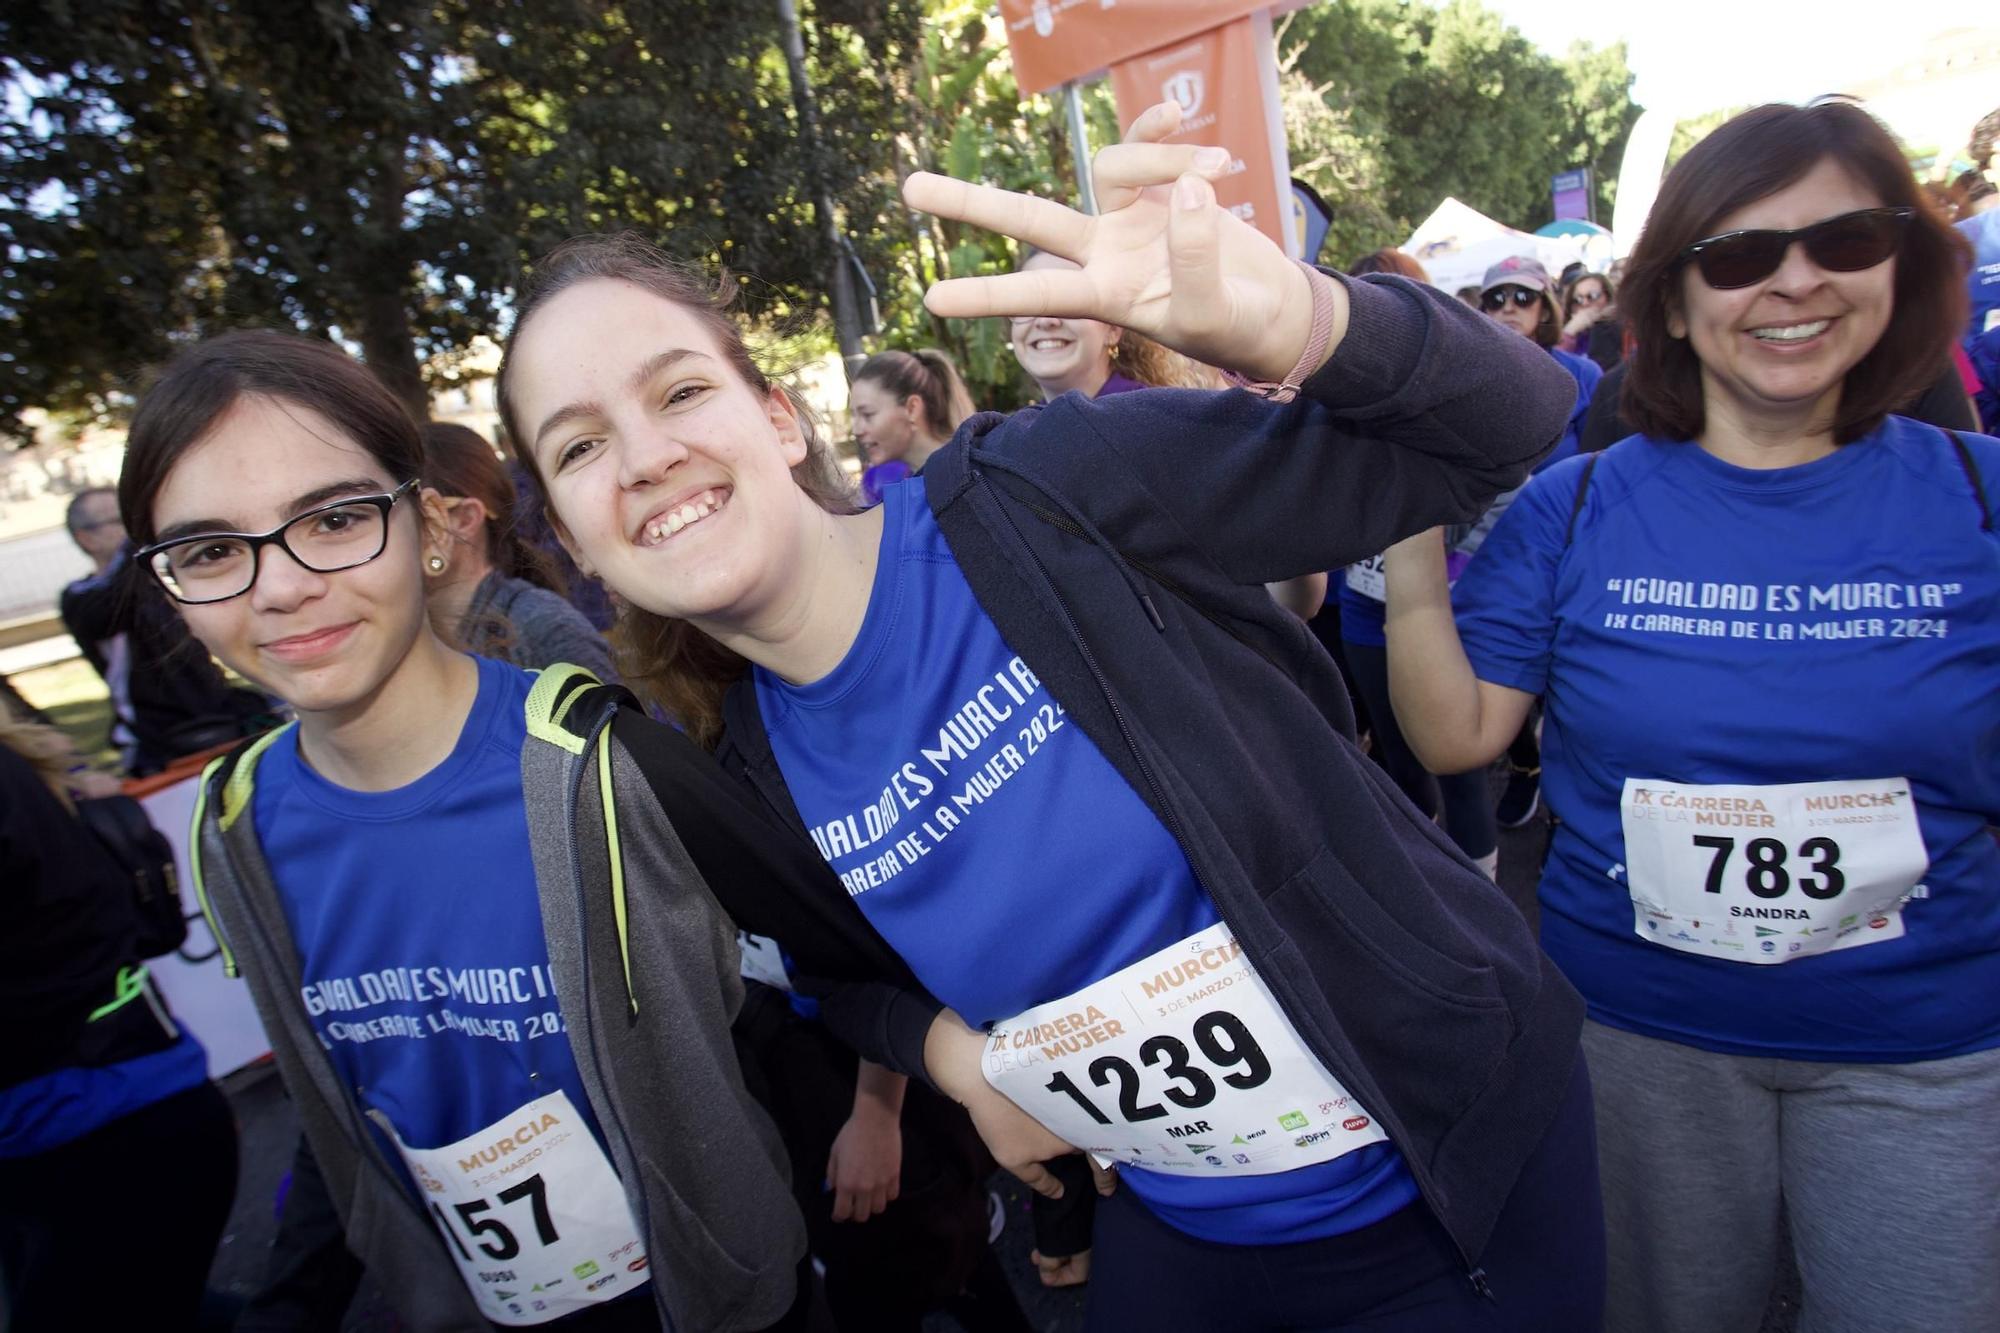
1057 41
1226 81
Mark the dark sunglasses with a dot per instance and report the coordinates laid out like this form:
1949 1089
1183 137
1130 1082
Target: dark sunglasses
1496 300
1844 244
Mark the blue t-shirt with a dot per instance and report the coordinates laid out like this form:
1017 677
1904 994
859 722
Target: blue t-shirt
1361 615
419 927
1710 624
1049 873
1983 230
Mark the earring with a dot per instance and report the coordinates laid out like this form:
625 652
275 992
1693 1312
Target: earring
436 563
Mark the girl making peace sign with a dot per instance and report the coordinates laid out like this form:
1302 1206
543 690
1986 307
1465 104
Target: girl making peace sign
1093 786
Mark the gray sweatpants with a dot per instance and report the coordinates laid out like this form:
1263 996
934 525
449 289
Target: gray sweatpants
1888 1174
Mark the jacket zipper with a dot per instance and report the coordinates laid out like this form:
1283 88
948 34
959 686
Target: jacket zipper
616 1123
1474 1274
229 968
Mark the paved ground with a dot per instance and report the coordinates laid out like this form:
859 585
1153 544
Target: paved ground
269 1127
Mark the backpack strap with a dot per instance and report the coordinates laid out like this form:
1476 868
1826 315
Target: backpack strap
1582 489
1972 475
554 711
570 708
231 780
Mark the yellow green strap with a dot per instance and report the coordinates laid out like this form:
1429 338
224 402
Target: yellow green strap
242 784
194 865
131 984
617 863
549 698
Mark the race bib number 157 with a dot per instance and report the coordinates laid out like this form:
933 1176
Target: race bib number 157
533 1214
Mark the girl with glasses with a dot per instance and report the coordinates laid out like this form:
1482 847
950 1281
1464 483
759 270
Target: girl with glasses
504 1021
1765 630
1081 772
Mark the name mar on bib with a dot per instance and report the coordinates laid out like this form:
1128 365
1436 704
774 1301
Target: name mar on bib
1767 874
1181 1062
532 1213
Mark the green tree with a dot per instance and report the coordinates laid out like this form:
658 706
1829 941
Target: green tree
383 170
1602 114
1688 133
1391 105
961 113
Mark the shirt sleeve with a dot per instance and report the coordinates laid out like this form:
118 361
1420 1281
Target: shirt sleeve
1505 601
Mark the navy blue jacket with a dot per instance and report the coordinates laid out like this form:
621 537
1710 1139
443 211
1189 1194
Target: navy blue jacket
1121 546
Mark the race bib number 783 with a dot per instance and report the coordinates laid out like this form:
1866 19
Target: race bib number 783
1769 873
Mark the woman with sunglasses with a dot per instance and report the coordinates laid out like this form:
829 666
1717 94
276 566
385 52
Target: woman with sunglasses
1765 629
514 1068
1062 747
1517 293
1591 326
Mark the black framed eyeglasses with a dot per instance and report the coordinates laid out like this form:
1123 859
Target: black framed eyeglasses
1495 301
1847 243
216 566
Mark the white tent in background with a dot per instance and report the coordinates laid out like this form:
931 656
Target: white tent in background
1457 244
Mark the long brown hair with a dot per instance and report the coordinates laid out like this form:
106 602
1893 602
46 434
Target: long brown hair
459 462
666 660
1757 154
1138 357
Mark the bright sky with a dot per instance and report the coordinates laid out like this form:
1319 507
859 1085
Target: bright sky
1695 55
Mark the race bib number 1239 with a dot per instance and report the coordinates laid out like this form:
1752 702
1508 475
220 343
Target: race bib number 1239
1181 1062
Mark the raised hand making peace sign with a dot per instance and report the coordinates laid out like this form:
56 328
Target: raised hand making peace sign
1163 258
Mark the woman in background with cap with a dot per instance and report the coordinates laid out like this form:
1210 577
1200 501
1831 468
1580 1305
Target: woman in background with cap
1518 294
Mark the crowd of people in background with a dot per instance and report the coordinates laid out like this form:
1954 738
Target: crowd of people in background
824 885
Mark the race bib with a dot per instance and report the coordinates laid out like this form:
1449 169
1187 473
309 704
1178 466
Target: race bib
1366 578
532 1212
762 960
1180 1062
1768 874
